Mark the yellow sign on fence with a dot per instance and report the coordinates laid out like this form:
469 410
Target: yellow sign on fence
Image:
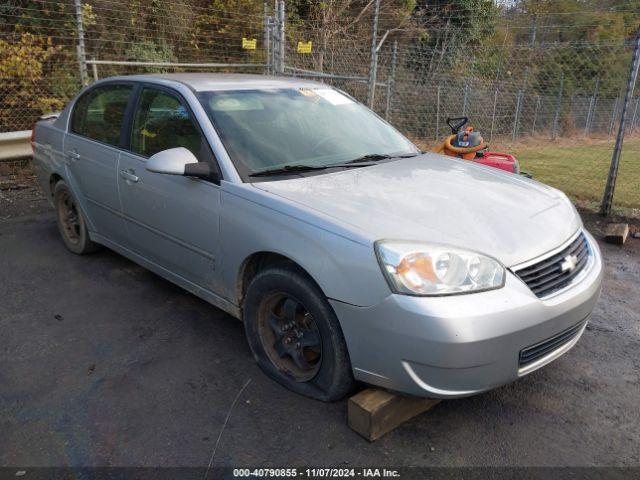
304 47
249 43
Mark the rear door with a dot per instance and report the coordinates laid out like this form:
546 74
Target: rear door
172 221
92 147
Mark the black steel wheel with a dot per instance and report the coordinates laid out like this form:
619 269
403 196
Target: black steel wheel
290 336
71 224
294 334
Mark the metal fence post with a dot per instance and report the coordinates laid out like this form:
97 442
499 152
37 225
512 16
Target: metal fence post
535 115
392 78
614 115
373 65
493 114
592 107
281 40
267 38
514 133
94 68
607 199
437 112
275 38
595 109
635 113
556 116
465 99
81 51
273 31
523 90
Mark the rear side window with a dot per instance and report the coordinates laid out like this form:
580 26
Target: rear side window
162 122
98 114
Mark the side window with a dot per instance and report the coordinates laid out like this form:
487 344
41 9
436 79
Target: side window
161 122
99 113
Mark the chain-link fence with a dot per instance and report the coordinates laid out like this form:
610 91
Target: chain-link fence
49 49
562 124
548 91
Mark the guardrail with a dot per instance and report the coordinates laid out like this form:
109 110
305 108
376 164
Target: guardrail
15 145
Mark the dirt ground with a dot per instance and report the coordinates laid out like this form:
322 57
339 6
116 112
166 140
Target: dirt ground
105 364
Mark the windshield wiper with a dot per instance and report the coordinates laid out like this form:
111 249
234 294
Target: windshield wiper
301 168
375 157
372 157
286 169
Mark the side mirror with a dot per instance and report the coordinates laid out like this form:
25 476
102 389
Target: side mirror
179 161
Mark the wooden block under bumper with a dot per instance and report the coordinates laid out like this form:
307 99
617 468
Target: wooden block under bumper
616 233
374 412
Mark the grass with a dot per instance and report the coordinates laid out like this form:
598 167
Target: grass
580 168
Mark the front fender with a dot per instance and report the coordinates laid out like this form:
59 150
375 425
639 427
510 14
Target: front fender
254 221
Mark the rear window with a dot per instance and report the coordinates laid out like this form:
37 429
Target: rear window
99 114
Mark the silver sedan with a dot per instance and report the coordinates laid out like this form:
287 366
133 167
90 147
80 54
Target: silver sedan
347 252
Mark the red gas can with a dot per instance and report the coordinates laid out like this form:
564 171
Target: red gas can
503 161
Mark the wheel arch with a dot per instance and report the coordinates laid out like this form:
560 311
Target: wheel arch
259 261
71 184
54 178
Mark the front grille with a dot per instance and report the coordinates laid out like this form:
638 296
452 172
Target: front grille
554 272
539 350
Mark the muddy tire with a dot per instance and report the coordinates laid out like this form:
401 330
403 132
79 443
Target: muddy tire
294 334
71 222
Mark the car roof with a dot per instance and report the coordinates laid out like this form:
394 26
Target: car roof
224 81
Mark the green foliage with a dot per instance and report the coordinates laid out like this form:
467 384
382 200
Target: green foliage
225 23
148 51
456 24
22 66
580 20
591 36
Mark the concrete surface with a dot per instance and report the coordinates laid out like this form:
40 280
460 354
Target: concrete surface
103 363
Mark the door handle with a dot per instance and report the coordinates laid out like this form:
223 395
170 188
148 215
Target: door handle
129 176
73 155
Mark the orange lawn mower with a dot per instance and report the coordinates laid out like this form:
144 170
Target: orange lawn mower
468 144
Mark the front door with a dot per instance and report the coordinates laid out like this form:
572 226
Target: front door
92 147
172 221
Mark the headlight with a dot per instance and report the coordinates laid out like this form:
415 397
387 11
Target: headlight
416 268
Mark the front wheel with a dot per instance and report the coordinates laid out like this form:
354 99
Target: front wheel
295 336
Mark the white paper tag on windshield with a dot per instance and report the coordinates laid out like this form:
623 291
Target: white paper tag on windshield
333 97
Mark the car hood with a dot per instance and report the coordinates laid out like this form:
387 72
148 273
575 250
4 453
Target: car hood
439 199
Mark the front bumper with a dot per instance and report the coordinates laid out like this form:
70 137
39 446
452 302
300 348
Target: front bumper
455 346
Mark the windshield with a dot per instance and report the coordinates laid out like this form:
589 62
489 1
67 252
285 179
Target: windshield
272 129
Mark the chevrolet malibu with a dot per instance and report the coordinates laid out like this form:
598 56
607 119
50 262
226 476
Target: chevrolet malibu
348 253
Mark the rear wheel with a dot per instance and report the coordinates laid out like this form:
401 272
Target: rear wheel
294 334
71 223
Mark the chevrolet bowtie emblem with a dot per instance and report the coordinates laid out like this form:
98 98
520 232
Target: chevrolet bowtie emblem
570 263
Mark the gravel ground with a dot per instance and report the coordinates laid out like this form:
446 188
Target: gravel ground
106 364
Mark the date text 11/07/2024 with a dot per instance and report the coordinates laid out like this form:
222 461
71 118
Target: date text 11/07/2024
316 472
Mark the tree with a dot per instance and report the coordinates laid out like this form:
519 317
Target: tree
22 63
222 26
